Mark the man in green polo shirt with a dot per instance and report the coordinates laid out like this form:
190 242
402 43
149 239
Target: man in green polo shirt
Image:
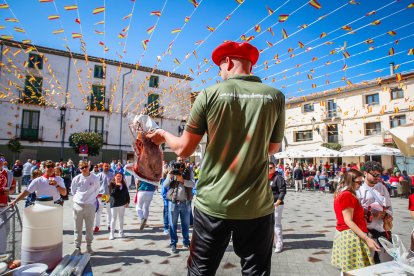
244 121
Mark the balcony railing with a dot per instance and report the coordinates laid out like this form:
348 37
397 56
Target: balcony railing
93 104
154 111
333 138
28 133
26 97
103 133
330 114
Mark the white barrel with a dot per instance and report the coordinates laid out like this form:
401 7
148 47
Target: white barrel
42 233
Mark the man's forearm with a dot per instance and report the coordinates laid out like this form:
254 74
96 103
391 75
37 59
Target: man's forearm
22 195
173 142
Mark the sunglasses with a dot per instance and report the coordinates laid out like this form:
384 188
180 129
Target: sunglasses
50 166
81 168
375 175
271 168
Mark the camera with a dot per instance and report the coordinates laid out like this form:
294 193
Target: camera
178 168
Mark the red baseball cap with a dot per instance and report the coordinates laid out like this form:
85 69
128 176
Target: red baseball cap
242 50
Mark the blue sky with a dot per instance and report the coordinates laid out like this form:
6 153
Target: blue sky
292 74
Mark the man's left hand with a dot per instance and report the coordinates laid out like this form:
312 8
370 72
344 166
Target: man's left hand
157 136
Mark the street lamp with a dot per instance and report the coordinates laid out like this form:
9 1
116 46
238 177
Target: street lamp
181 127
63 128
313 121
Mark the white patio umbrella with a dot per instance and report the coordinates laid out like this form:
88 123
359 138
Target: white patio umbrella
403 136
371 150
322 152
290 153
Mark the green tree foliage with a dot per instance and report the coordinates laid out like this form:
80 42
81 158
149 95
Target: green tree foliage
332 146
93 140
14 145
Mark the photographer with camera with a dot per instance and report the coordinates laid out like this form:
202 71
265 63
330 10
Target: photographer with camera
179 196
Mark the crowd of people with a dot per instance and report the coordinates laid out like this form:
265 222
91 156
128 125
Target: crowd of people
325 177
362 206
105 185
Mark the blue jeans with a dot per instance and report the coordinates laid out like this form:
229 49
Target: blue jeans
26 180
165 215
182 210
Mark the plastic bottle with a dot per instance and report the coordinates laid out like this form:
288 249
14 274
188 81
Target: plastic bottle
369 214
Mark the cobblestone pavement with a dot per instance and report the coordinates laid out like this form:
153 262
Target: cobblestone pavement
308 228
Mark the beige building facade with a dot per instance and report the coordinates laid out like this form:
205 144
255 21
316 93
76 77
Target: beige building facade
351 116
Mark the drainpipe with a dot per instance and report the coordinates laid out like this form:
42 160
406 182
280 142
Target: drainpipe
1 57
121 115
391 68
63 113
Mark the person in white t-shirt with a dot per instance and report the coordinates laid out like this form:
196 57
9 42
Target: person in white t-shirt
375 200
47 185
27 168
85 189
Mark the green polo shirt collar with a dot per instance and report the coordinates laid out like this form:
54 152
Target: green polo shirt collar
245 77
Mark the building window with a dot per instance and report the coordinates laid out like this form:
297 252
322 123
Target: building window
372 99
98 72
35 61
396 93
372 128
308 107
333 134
332 111
32 92
154 81
30 125
97 100
397 121
306 135
153 105
96 124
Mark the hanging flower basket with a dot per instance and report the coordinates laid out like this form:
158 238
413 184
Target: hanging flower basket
14 145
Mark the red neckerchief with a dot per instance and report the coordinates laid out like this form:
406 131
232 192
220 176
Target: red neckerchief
270 176
47 176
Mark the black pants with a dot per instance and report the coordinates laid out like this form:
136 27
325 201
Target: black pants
252 242
375 235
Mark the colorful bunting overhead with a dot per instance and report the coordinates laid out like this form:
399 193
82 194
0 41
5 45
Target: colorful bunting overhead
98 10
315 4
201 71
71 7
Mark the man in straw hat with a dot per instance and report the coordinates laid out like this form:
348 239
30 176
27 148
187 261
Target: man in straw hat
244 120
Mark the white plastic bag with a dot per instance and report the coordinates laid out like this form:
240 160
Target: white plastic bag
148 159
397 250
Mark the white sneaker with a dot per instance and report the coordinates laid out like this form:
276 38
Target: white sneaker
166 232
121 235
278 249
111 236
